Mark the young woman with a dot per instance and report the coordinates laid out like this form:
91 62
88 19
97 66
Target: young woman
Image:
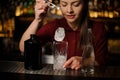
75 23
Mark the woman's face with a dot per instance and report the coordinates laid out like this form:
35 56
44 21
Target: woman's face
71 9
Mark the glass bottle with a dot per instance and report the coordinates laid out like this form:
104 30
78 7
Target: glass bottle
32 53
88 56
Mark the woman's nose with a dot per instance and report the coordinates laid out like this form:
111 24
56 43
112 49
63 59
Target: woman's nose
70 9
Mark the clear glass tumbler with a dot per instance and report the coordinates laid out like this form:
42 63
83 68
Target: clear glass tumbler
60 54
88 59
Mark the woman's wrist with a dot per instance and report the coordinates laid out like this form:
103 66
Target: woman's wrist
38 20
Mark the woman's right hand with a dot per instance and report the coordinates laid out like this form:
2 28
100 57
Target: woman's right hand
73 63
40 9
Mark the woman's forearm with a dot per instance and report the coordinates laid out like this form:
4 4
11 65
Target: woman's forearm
26 35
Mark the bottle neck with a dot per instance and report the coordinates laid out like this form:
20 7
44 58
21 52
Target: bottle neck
32 36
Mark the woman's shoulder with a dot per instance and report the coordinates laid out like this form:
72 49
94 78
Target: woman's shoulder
93 23
98 24
98 27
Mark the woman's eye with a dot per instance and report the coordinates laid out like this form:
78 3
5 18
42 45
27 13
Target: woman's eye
76 4
64 5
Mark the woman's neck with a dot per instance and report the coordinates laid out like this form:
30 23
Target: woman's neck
74 26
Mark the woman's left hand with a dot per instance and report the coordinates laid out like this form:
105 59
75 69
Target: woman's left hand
73 63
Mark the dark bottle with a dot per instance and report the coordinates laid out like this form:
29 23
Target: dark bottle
32 53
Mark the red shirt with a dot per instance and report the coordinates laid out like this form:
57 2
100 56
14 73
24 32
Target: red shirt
47 32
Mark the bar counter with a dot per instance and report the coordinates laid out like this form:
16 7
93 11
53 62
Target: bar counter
14 70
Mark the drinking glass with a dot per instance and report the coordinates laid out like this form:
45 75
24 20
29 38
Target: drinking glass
60 54
88 59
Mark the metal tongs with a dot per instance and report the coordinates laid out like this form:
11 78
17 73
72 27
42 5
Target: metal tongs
50 4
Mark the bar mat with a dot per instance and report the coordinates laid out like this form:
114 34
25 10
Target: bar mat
18 67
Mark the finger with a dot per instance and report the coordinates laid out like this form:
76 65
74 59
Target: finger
39 9
41 3
68 62
76 67
75 64
38 2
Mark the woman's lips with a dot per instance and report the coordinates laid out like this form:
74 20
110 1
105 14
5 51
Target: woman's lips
70 16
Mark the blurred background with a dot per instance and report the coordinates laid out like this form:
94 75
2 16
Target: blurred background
16 16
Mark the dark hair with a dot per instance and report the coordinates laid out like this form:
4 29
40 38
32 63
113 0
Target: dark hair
84 24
